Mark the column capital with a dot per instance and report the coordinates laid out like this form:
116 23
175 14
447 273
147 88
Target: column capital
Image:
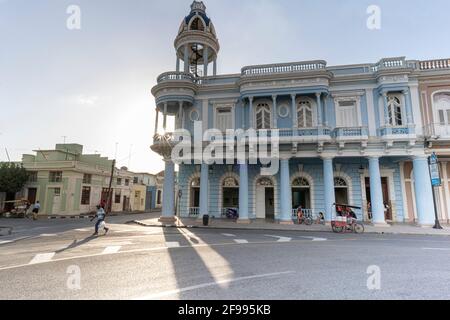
293 96
422 157
384 94
180 103
327 158
274 97
372 158
251 99
406 91
318 94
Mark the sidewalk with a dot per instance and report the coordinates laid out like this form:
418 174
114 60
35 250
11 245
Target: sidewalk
263 225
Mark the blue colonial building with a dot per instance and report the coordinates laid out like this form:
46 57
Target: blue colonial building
343 132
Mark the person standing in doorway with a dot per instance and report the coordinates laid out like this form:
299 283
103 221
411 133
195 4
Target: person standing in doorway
100 220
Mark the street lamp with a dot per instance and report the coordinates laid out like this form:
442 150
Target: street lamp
436 182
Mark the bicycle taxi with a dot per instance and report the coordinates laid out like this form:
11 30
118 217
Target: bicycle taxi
345 219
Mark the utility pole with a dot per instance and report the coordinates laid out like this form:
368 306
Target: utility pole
109 198
7 154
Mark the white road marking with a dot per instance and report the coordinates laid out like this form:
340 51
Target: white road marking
240 241
5 242
172 244
437 249
228 235
48 235
42 257
280 239
210 284
83 230
316 238
111 249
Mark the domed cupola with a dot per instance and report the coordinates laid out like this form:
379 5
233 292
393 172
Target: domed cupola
197 44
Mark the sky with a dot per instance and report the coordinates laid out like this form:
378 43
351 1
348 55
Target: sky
92 86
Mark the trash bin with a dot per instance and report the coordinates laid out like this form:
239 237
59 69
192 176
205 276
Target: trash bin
206 220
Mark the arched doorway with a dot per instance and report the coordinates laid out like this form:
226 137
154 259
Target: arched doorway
194 197
230 194
265 199
341 191
301 194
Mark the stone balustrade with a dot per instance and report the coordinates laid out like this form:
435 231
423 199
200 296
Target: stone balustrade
284 68
434 64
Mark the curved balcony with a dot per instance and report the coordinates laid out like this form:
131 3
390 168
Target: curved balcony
175 76
175 86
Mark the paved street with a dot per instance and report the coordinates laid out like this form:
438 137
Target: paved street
136 262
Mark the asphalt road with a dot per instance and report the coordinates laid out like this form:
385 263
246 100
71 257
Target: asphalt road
61 260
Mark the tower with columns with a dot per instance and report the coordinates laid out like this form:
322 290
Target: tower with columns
345 134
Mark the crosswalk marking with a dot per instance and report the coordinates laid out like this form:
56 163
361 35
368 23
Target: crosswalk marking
228 235
111 249
42 257
240 241
437 249
315 238
280 239
172 244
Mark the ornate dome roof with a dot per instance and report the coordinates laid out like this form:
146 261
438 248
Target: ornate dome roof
197 20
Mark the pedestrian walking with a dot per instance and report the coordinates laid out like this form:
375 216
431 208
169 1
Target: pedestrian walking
36 208
100 215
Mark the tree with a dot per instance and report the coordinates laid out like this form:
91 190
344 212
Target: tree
12 177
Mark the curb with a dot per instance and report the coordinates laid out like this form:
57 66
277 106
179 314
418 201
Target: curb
69 217
277 230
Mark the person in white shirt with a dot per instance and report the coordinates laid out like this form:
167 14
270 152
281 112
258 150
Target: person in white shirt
36 208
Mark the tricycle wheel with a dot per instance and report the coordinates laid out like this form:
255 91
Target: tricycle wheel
309 221
337 229
359 228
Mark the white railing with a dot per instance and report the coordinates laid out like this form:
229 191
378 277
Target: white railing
435 64
175 76
437 130
194 212
284 68
306 212
390 63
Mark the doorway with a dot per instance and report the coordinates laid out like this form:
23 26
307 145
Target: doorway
386 199
265 199
32 193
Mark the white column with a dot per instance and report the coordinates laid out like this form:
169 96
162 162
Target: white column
215 67
319 109
274 112
186 58
180 115
386 109
205 61
371 113
165 117
156 121
294 112
178 64
446 189
250 113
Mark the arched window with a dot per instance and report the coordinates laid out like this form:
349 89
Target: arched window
263 116
442 105
197 24
304 114
230 183
301 194
395 110
341 191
